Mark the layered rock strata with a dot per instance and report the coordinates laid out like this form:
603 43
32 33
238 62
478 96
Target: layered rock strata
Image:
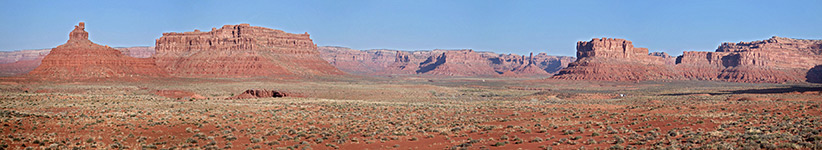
442 62
80 59
615 60
775 60
236 51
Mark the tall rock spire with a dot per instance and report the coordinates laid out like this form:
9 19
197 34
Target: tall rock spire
79 32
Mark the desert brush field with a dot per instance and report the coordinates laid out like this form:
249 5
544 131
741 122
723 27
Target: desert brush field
411 113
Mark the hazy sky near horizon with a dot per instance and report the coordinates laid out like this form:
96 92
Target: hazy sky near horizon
502 26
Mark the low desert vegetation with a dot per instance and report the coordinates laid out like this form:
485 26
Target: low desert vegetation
411 114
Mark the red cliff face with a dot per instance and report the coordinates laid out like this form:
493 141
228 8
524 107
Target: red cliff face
442 62
240 51
80 59
615 60
774 60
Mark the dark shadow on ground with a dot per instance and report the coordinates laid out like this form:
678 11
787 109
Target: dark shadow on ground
757 91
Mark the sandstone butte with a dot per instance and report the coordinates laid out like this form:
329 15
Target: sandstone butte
239 51
81 59
442 62
776 60
615 60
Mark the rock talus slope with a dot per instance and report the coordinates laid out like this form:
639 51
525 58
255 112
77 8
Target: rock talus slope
80 59
240 51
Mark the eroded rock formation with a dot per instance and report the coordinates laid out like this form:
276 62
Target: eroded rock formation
615 60
442 62
23 61
249 94
240 51
775 60
80 59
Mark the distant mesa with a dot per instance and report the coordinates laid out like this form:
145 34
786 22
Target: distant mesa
240 51
21 62
776 60
442 62
81 59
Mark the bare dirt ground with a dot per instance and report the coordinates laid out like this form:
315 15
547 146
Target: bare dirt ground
411 113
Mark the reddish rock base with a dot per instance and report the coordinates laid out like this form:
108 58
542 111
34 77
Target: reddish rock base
80 59
239 51
250 94
615 60
776 60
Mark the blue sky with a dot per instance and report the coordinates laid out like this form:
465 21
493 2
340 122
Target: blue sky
518 26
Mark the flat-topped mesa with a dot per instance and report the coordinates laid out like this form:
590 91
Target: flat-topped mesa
609 48
775 60
236 37
615 60
239 51
775 43
80 59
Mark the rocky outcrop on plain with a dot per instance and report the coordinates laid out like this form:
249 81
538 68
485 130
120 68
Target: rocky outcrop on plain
775 60
615 60
238 51
80 59
442 62
255 93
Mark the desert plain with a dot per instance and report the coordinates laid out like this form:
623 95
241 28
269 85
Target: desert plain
411 113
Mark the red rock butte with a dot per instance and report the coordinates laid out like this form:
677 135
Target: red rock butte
81 59
615 60
238 51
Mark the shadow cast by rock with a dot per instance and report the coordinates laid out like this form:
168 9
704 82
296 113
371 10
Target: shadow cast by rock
814 75
791 89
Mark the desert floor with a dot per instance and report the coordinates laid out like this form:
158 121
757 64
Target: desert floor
410 113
